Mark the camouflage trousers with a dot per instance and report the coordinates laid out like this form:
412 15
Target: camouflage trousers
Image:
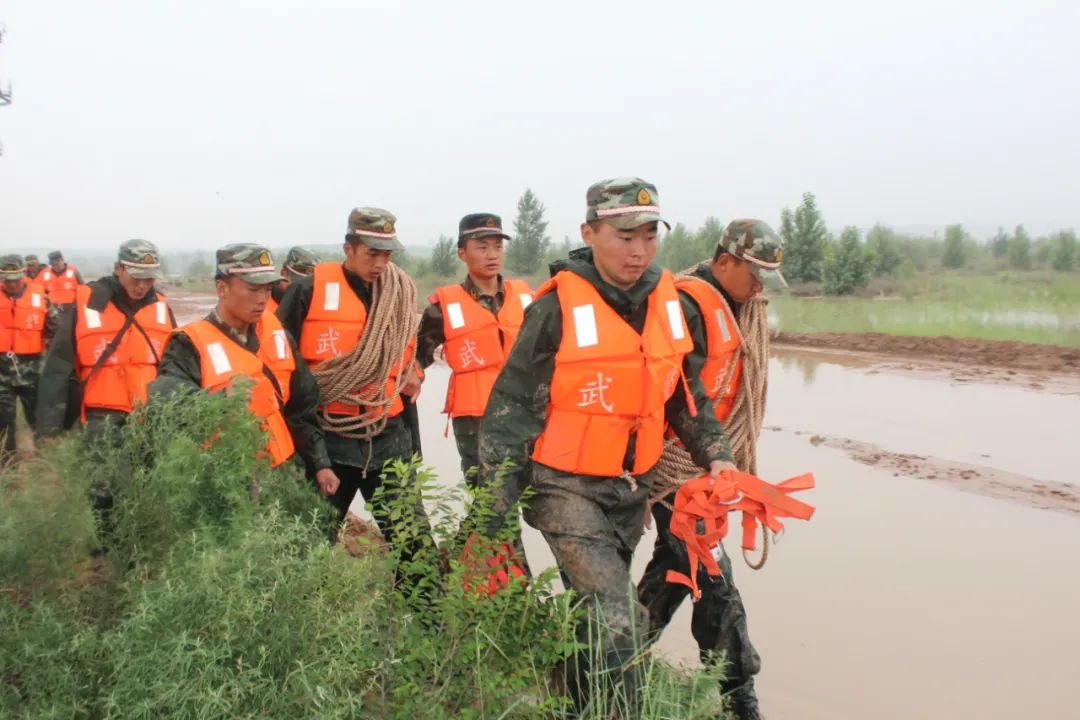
719 619
19 376
467 437
592 525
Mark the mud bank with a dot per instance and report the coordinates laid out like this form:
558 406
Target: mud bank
1028 357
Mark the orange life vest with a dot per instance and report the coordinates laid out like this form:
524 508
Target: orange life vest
722 371
61 288
476 343
22 321
221 359
123 378
610 383
333 326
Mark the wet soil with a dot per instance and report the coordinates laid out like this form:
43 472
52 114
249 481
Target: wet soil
968 351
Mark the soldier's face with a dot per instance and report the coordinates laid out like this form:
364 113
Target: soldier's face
13 286
135 288
367 262
241 301
483 257
621 256
57 266
736 277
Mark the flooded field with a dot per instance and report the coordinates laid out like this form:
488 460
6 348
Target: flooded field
903 597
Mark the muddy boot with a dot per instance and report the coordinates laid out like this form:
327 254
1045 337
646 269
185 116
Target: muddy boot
743 702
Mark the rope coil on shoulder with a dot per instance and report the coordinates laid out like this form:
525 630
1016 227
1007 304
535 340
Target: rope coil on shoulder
360 377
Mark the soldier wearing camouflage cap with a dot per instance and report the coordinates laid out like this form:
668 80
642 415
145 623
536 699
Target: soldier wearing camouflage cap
484 314
27 323
300 262
341 310
240 339
33 267
105 354
61 279
719 302
592 380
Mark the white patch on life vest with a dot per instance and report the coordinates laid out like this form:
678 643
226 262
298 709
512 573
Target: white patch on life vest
585 326
93 318
457 320
675 319
333 296
281 344
70 273
526 300
721 320
161 313
35 300
218 358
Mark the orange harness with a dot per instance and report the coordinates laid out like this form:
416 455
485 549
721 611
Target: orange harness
700 516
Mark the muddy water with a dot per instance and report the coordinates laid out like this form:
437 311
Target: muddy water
902 598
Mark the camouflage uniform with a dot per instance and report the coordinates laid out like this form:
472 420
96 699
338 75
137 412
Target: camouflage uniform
300 262
719 617
591 524
359 463
20 374
431 335
181 368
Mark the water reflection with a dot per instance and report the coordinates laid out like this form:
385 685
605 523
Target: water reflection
805 364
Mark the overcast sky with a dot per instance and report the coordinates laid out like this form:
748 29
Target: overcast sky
198 123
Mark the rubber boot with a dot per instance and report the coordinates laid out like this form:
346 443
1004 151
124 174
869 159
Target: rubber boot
744 703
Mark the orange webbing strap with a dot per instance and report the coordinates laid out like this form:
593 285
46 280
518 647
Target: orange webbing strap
700 516
488 568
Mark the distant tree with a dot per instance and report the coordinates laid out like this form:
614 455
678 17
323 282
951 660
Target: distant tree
678 249
530 244
954 254
444 257
847 266
1019 253
882 246
1064 250
805 249
200 268
999 244
708 237
562 250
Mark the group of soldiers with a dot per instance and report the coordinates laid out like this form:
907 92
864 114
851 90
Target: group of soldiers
572 390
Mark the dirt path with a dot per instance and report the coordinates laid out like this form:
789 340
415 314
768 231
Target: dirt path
1027 357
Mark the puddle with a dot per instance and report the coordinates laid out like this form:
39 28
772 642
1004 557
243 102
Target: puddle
902 598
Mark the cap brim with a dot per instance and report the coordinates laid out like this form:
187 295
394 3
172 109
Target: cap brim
144 273
771 279
390 244
264 277
634 220
486 232
14 275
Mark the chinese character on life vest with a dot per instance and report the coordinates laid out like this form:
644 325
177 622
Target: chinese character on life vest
593 393
100 348
467 355
327 342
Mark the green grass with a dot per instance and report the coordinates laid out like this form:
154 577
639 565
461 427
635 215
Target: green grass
1037 307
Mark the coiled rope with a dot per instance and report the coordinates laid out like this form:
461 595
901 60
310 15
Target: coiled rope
360 377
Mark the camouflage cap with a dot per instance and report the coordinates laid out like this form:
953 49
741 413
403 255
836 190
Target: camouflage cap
12 267
478 225
300 261
252 263
374 227
55 255
625 203
140 259
32 260
756 243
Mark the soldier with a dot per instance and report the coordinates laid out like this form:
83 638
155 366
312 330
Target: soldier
476 322
594 376
109 348
240 339
33 267
61 280
300 262
716 299
27 323
355 324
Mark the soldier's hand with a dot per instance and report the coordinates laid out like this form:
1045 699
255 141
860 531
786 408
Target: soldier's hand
718 466
411 387
327 481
